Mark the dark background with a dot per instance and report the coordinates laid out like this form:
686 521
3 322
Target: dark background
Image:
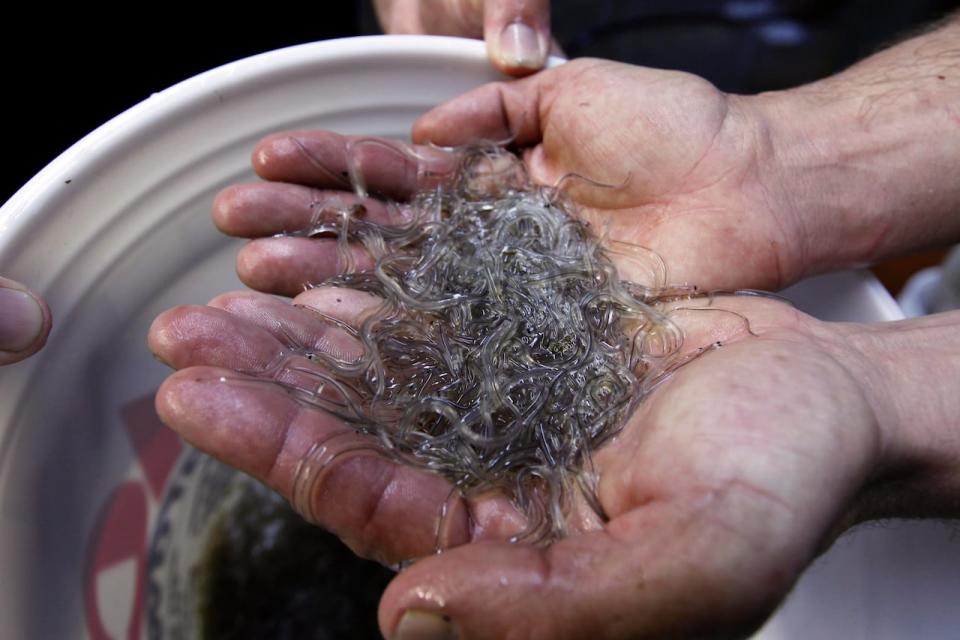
78 70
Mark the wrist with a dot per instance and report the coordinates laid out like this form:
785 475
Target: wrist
908 372
864 162
823 199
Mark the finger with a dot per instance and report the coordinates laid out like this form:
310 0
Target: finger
499 111
24 322
357 495
333 476
195 337
255 426
330 161
192 335
516 50
345 305
267 208
286 265
677 575
517 33
294 326
256 333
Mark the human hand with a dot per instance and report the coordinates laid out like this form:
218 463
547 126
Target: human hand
720 490
24 322
694 172
739 191
517 32
693 176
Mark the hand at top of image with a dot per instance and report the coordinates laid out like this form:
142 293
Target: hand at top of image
517 32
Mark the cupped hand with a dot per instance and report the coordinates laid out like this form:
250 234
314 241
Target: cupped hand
517 32
693 171
720 490
690 173
24 322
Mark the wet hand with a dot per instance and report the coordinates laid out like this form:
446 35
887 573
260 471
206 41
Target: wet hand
720 490
693 173
668 162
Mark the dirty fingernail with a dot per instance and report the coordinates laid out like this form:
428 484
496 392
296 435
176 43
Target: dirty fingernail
520 46
424 625
21 320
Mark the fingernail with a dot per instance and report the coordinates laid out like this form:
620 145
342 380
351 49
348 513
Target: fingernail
520 46
424 625
21 320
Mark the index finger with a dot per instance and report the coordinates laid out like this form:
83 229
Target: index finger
329 160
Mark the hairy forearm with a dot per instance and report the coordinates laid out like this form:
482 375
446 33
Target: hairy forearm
910 371
867 162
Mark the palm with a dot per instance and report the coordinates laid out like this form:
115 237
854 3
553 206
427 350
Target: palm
730 474
690 160
737 470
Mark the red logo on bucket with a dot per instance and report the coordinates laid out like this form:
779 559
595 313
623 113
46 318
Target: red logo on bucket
118 544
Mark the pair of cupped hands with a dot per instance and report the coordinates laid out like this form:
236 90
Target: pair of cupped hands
725 483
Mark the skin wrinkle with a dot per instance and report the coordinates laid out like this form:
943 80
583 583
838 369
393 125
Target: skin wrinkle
315 199
558 568
623 492
511 133
890 405
709 580
314 336
362 538
798 263
791 208
755 164
337 179
713 182
271 473
708 150
673 215
374 516
850 358
732 485
454 524
542 113
544 571
753 541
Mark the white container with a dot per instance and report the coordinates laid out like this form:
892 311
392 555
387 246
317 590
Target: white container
118 229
